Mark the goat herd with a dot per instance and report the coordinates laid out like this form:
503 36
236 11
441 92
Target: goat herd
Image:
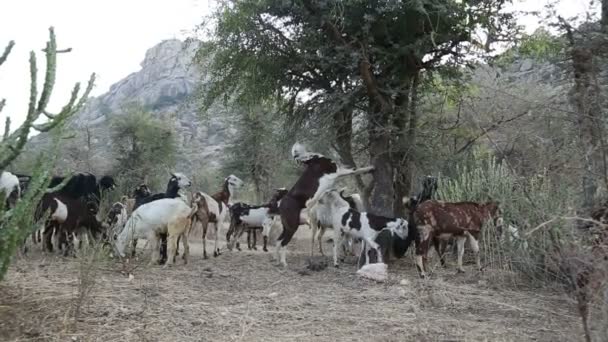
69 212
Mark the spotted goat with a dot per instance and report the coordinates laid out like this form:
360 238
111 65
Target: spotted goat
438 221
362 225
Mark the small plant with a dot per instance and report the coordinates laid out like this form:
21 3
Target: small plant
89 257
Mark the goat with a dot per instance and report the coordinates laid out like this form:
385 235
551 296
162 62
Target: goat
10 188
177 182
169 216
362 225
438 221
68 216
429 187
247 217
72 205
84 184
319 175
243 216
321 220
140 194
117 217
214 209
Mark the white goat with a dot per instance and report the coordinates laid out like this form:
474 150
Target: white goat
168 215
9 185
365 226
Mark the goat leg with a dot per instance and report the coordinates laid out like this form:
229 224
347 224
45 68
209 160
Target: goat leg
163 248
205 225
460 244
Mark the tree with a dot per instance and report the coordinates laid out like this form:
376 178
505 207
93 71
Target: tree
254 151
356 65
585 45
143 145
16 223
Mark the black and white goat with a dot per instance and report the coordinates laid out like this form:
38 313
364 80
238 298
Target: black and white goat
319 175
364 226
320 220
72 208
247 217
176 184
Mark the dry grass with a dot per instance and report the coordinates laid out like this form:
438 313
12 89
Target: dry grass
243 296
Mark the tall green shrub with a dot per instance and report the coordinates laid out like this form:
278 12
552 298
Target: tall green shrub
526 203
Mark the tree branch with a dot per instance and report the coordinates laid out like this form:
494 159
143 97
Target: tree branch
485 131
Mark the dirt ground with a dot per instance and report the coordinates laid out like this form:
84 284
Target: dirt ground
244 296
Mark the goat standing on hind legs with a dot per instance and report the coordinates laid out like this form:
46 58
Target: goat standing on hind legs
320 174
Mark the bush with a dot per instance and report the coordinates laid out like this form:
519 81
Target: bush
526 204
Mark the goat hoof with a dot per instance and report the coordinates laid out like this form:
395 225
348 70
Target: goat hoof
336 265
215 254
255 248
459 271
205 256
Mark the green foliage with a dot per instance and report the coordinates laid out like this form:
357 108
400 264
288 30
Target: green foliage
525 203
335 67
144 146
257 152
540 46
16 223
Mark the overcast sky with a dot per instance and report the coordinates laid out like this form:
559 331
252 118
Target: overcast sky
110 38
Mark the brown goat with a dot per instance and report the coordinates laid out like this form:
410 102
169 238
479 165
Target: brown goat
438 221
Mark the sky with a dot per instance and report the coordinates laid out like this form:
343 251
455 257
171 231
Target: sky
110 38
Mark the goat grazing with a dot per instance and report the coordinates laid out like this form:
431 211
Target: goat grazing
169 216
320 174
214 209
177 182
438 221
364 226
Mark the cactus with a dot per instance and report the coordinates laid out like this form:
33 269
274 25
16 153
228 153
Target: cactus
16 223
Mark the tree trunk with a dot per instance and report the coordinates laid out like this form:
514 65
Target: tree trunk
585 97
405 124
343 125
382 193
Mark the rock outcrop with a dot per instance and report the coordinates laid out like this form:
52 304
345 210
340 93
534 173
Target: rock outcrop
165 86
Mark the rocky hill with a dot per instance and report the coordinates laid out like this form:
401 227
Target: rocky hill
164 85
